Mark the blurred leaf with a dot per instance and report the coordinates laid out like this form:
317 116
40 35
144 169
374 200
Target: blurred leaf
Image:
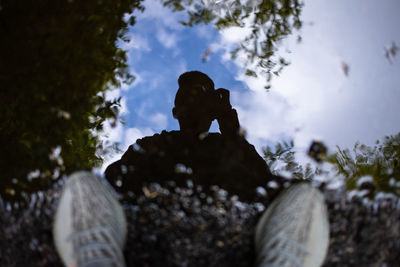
251 73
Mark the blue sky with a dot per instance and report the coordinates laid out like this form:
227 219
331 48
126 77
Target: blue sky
312 99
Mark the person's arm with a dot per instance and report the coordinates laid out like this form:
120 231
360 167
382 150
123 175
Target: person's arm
229 122
226 115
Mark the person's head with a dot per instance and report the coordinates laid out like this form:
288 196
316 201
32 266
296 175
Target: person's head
193 102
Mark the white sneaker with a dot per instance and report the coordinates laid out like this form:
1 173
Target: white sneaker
294 230
90 226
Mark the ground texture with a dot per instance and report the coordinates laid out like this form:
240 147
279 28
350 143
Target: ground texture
170 226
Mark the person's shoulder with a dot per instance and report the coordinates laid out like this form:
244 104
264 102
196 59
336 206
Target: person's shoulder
157 136
145 146
157 140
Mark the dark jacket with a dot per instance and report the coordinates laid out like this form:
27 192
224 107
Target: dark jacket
227 161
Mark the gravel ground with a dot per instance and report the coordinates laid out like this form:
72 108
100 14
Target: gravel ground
170 226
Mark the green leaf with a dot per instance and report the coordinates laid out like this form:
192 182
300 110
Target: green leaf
251 73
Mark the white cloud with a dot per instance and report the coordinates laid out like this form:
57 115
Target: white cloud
125 137
235 34
114 94
136 41
313 99
123 110
167 39
158 121
148 81
138 80
204 31
132 134
262 115
155 11
332 107
181 68
111 135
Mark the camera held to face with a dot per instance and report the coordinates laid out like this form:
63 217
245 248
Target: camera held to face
224 113
220 103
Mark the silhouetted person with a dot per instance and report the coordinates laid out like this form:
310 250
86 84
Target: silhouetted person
225 159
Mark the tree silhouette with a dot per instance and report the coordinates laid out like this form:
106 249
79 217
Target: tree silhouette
58 58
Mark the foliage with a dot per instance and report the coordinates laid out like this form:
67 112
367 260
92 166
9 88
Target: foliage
282 159
269 21
57 60
380 162
366 169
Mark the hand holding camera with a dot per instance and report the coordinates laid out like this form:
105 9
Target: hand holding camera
224 113
221 102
